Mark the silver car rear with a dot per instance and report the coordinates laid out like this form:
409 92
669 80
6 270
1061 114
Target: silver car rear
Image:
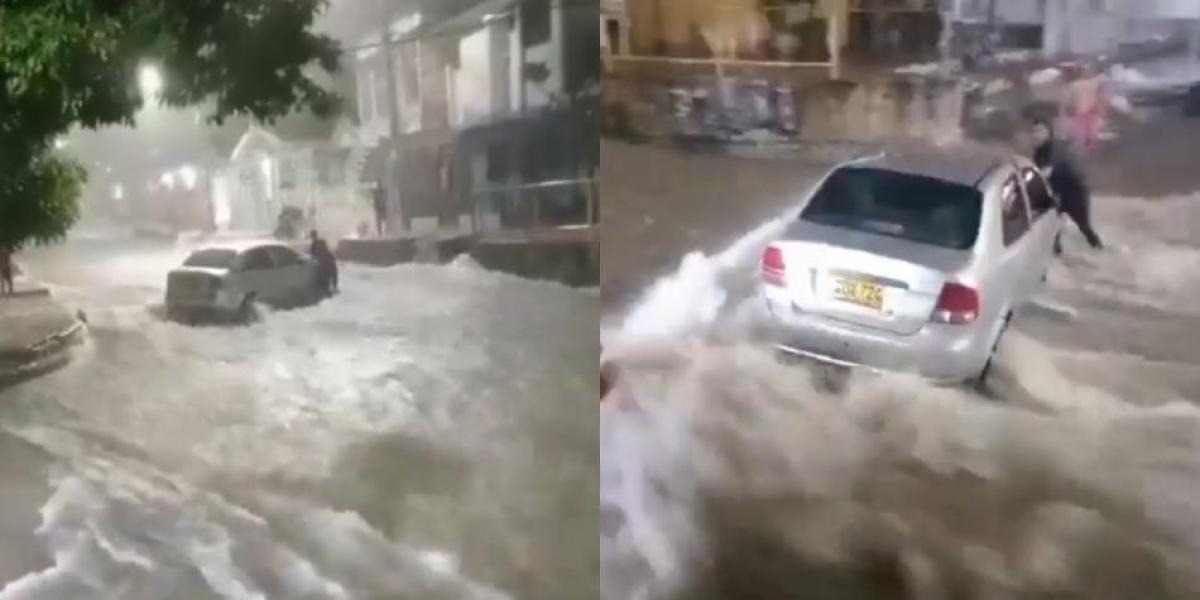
228 280
894 268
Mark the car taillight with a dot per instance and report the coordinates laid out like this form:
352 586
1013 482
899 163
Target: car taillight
774 270
957 304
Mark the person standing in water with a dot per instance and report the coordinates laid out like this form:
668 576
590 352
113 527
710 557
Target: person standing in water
327 271
1065 178
379 202
7 270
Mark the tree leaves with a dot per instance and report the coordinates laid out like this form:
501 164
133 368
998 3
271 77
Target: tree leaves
75 62
40 203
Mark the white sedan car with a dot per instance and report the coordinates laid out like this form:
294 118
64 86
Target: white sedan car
912 261
228 280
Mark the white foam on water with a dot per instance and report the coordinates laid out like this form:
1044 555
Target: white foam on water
745 475
691 299
411 438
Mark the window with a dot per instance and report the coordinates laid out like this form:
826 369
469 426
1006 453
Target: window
1014 213
256 259
915 208
331 166
287 174
535 22
1040 198
282 256
214 258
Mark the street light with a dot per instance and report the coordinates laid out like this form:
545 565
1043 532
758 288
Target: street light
189 175
150 81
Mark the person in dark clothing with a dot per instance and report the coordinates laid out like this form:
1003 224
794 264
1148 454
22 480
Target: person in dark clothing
1065 179
327 271
380 203
7 270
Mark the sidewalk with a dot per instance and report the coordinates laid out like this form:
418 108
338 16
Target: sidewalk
35 330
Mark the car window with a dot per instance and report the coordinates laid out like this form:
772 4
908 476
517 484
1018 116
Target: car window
912 207
211 258
1014 212
282 256
256 259
1040 198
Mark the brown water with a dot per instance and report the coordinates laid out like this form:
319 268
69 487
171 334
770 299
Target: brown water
1076 477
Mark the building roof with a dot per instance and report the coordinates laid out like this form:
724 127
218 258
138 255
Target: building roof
965 164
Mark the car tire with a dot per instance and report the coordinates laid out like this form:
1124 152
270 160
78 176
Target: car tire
248 310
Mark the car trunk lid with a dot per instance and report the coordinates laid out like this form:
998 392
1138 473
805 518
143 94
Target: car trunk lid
193 283
875 281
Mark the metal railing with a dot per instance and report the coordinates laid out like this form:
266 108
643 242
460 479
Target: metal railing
557 203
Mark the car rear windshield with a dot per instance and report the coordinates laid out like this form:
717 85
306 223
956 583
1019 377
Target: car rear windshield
213 258
911 207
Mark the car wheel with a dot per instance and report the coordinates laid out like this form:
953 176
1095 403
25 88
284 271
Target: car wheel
248 309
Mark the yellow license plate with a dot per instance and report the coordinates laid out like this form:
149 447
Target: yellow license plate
862 293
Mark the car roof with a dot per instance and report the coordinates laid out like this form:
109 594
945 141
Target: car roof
238 246
961 163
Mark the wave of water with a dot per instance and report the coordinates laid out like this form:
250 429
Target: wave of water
740 477
418 436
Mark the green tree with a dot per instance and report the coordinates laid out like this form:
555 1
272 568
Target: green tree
66 63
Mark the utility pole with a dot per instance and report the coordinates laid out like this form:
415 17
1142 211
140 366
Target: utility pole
1194 46
391 169
518 16
948 12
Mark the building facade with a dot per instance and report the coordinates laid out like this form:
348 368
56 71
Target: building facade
869 32
497 64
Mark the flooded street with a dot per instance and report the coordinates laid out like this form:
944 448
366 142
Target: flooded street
428 433
1074 476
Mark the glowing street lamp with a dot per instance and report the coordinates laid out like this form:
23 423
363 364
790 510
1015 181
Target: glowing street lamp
189 175
150 81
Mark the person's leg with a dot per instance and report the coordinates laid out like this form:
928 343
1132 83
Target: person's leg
1081 215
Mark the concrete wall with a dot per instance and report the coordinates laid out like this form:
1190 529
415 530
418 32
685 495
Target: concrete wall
672 26
823 110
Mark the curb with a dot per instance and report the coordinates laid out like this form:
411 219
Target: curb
41 357
27 293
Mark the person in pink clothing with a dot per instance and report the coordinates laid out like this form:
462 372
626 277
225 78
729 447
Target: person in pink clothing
1085 104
